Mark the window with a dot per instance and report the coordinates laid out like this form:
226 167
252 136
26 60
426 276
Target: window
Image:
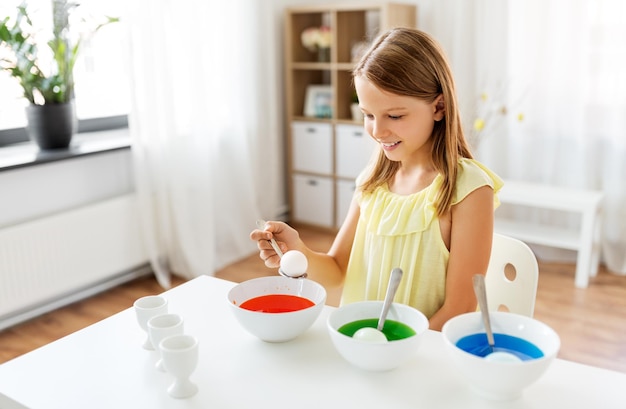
101 72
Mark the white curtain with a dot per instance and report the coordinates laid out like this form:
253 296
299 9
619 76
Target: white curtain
560 64
204 123
207 128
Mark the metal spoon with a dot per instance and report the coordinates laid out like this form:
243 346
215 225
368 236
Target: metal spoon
392 287
374 334
481 295
260 224
490 352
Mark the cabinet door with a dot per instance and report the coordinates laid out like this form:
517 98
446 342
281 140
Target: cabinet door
313 200
345 191
354 149
312 147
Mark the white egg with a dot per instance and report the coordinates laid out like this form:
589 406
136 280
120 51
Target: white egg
369 334
294 263
500 356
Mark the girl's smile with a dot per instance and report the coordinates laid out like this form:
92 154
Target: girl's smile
389 146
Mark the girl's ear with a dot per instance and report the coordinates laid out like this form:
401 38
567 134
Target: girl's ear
440 107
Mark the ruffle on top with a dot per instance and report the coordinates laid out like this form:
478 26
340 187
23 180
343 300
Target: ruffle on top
390 214
403 231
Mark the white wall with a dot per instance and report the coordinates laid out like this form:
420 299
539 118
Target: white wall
41 190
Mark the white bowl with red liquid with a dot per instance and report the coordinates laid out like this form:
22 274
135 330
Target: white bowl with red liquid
495 379
277 308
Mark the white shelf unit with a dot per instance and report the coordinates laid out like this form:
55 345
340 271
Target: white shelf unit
587 204
325 155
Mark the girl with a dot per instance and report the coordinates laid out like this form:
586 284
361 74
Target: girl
424 204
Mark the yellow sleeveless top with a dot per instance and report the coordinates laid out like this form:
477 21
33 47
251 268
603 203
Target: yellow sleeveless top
403 231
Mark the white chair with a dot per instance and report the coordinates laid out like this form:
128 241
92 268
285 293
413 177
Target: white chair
512 275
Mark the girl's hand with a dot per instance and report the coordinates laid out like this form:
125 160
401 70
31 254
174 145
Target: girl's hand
286 237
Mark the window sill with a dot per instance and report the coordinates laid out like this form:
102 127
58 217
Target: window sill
83 144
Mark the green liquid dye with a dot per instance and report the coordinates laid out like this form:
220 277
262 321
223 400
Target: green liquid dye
393 330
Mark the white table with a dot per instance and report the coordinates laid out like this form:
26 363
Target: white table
104 366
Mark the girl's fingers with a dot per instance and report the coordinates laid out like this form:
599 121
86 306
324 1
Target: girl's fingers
270 258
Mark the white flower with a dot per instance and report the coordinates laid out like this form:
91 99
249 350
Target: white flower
316 37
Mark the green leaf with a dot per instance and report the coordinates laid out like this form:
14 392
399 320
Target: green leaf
23 64
5 34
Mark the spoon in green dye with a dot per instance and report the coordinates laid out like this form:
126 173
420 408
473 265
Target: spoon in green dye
376 334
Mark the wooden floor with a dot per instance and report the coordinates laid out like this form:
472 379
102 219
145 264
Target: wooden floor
591 322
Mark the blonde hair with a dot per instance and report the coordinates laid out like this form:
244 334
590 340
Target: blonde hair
409 62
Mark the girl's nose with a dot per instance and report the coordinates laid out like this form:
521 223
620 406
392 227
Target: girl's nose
378 131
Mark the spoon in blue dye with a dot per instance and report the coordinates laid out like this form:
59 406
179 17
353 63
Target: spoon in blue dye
490 352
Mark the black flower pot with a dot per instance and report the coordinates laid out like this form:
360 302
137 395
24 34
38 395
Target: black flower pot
51 126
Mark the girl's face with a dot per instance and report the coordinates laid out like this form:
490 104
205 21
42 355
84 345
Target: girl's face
401 125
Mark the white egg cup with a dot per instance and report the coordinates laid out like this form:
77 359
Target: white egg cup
161 327
146 308
180 358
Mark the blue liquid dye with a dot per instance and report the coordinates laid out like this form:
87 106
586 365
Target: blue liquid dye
478 345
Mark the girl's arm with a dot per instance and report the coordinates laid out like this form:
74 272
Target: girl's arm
328 269
470 248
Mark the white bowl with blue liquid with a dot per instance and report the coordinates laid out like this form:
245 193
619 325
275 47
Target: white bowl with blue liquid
535 343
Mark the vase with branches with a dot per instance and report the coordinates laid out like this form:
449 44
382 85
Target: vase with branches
492 110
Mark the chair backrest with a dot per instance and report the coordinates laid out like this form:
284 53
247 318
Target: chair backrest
512 275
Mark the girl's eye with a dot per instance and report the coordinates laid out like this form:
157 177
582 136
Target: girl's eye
395 116
369 116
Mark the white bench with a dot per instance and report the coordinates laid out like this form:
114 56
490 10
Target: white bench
585 240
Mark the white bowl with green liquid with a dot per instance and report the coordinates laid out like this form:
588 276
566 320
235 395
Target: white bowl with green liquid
404 328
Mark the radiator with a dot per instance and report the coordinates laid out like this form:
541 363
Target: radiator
55 260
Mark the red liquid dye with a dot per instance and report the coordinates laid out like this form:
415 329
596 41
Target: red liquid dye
274 303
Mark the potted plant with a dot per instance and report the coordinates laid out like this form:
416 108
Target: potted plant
46 78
